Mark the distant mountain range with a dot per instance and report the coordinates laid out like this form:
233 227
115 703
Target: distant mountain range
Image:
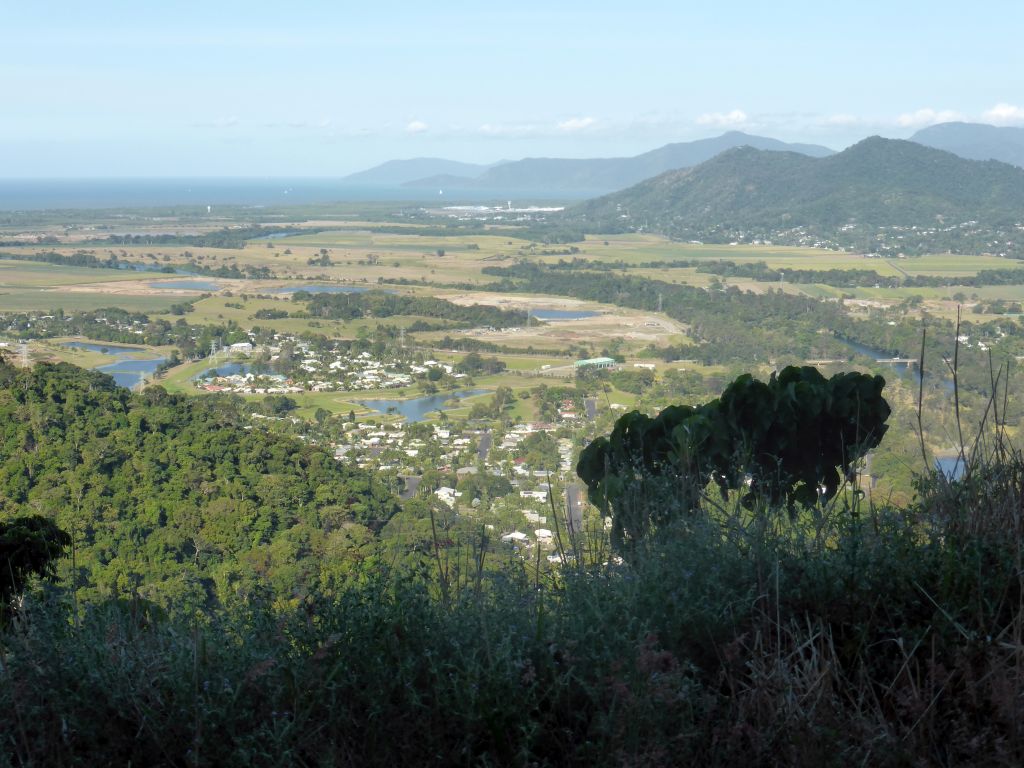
877 183
573 176
976 141
395 173
600 176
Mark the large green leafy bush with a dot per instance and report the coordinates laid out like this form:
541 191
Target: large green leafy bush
786 442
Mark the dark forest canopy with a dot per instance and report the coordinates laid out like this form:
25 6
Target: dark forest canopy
184 501
380 304
837 278
228 237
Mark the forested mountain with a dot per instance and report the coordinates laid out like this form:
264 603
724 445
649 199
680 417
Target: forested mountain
181 500
926 194
607 174
394 173
975 141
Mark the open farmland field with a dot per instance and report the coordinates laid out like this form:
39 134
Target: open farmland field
27 274
633 330
359 255
634 248
38 300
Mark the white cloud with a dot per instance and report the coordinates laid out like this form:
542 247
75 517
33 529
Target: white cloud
1004 114
723 119
416 126
574 124
927 116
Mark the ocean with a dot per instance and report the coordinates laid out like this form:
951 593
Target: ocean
55 194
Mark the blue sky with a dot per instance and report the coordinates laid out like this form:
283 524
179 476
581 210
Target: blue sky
187 88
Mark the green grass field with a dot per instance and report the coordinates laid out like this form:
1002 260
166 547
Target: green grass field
28 274
363 257
34 299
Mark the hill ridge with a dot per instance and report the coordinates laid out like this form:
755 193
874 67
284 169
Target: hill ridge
875 184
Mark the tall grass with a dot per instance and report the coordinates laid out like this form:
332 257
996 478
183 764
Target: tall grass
856 634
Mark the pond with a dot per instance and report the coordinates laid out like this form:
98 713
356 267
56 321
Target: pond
126 371
562 314
951 466
130 373
187 285
225 369
418 409
102 347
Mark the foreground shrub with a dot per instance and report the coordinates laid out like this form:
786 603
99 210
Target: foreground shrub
851 635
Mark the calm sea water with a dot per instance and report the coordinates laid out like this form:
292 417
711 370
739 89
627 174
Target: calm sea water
42 194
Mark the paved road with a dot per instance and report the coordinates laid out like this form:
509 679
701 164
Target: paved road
412 484
574 503
484 447
591 404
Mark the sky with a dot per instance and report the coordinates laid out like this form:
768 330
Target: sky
136 89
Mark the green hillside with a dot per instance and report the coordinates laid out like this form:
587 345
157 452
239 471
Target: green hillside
877 183
976 141
181 501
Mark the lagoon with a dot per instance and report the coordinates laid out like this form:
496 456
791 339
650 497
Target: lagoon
225 369
126 371
418 409
102 348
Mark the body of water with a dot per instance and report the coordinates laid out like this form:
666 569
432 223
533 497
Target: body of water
226 369
562 314
129 373
901 369
49 194
103 348
418 409
879 354
126 371
951 466
187 285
